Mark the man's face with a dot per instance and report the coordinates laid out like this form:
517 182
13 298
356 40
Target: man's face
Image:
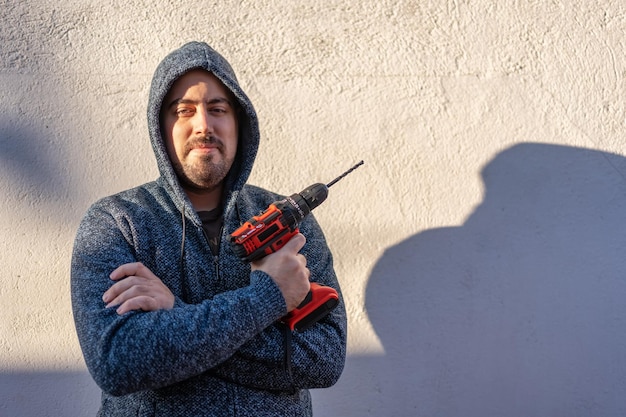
200 130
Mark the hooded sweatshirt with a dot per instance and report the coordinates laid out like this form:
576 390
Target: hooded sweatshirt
222 350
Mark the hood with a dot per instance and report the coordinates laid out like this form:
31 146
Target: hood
191 56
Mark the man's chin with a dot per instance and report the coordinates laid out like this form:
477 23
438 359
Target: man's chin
204 176
205 182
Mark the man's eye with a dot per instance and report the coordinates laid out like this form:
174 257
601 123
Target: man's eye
184 111
218 110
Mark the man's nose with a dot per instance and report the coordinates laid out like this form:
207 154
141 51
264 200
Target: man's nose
202 122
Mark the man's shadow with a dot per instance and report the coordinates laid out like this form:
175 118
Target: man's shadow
520 311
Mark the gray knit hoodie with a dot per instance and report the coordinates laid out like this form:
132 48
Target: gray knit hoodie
221 350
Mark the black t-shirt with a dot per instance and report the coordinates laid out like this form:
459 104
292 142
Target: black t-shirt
212 224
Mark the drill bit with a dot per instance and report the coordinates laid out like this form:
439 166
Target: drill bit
344 174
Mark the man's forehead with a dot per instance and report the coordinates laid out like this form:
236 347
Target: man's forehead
196 77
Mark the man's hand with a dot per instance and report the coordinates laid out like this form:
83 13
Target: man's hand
288 270
137 288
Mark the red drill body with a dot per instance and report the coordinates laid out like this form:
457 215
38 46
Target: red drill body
271 230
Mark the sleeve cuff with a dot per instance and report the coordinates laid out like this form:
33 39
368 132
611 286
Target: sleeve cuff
267 302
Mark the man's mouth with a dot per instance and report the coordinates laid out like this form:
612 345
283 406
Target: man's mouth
204 146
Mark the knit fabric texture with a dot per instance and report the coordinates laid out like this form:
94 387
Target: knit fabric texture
221 351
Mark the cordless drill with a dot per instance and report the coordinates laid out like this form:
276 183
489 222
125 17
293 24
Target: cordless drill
271 230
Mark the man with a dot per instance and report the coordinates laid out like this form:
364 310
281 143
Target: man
170 321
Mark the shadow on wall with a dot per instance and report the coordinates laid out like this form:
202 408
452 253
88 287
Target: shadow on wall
48 394
518 312
35 169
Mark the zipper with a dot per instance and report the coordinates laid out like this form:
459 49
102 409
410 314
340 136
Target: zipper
216 264
216 258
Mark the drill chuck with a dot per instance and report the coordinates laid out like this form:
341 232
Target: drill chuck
297 206
314 195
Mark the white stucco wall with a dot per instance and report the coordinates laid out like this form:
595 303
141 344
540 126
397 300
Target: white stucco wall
480 248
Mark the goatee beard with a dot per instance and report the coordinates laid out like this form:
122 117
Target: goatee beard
203 174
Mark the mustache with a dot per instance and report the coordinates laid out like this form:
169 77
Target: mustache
204 141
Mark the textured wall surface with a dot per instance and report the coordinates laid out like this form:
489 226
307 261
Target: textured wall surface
480 248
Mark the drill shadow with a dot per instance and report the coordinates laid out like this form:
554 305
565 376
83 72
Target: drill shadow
517 312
